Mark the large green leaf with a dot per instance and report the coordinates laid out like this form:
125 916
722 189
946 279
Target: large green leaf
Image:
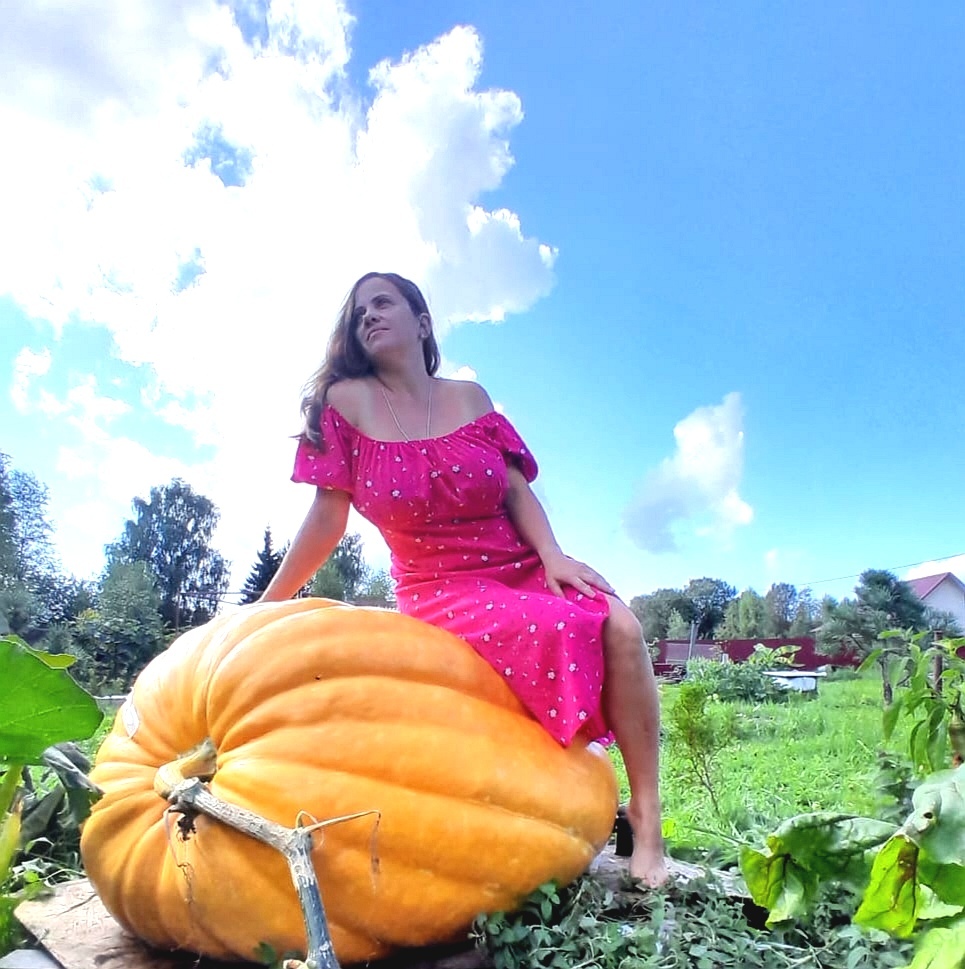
776 883
946 881
827 844
941 948
929 907
938 821
890 900
832 845
39 705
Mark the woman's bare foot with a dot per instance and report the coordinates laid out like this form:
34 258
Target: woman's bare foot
648 862
649 866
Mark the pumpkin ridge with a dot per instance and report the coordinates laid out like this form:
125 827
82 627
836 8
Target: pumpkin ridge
521 808
460 799
473 718
536 833
226 634
384 646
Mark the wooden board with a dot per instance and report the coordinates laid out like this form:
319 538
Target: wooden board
75 928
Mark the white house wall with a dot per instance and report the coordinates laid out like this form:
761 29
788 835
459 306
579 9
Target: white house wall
948 597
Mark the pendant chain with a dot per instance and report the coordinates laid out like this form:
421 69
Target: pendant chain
388 404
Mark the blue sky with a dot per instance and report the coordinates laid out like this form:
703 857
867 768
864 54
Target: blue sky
708 258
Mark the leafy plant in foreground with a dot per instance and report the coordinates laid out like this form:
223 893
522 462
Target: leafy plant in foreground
45 708
932 675
681 926
696 734
906 879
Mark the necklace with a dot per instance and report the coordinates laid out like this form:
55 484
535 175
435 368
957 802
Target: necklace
388 404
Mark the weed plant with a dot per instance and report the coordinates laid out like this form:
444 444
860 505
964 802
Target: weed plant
692 926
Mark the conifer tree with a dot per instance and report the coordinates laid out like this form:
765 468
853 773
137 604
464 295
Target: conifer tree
263 571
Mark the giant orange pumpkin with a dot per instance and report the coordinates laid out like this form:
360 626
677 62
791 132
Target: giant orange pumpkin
319 707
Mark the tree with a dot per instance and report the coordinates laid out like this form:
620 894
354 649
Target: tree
677 626
347 559
744 617
34 594
172 534
653 611
31 530
20 611
124 632
344 575
807 615
263 571
378 590
780 607
710 598
327 583
942 623
7 522
63 597
881 601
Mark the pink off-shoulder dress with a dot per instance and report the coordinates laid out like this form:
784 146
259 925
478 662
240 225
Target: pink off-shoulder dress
459 563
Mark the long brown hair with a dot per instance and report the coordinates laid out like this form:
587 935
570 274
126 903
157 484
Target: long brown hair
345 357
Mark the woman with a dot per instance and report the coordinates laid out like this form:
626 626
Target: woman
446 480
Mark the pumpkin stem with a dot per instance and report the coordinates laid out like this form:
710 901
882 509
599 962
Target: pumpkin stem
190 796
199 761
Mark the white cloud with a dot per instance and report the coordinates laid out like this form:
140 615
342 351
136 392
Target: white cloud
73 62
98 480
954 564
93 411
26 367
464 372
698 484
226 290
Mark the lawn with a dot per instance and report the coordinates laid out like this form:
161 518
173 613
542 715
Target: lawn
781 759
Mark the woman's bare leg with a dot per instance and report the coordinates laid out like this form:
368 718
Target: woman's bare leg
631 705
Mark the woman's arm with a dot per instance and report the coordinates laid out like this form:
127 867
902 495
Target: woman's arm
320 532
527 514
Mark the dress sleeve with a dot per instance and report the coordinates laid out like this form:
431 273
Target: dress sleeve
333 468
511 445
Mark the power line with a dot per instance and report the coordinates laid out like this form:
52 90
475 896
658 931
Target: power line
893 568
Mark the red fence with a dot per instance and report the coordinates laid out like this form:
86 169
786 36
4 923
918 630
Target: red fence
672 654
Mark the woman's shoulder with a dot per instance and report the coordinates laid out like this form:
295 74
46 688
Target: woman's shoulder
467 397
347 396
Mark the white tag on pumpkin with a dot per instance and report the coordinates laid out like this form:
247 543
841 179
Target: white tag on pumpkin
129 717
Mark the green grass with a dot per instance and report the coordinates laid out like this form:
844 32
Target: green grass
785 759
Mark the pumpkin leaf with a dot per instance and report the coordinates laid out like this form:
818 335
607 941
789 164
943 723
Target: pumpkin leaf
41 706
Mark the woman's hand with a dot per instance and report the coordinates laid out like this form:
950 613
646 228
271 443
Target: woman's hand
562 570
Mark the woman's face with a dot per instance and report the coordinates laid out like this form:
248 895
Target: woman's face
384 320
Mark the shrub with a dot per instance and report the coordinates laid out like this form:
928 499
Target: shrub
735 681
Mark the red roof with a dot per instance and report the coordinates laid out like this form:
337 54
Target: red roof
927 584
